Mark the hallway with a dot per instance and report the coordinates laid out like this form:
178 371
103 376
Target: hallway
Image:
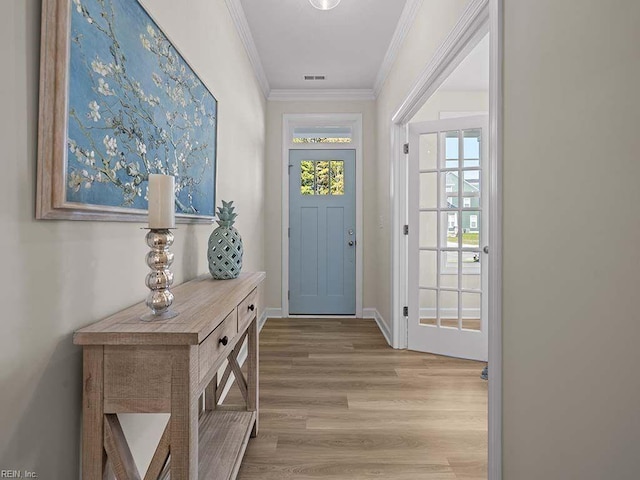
336 402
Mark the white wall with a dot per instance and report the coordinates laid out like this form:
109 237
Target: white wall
273 254
571 235
433 22
57 275
452 101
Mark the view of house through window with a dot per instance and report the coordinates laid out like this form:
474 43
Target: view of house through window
461 196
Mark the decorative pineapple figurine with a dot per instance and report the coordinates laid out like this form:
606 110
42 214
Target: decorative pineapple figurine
225 245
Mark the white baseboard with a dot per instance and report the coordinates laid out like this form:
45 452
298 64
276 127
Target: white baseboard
262 320
273 312
382 325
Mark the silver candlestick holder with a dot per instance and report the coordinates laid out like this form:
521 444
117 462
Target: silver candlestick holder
160 279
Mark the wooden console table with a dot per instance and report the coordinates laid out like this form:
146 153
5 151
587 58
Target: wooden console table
131 366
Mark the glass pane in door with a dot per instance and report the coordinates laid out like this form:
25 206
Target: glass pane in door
449 229
451 157
428 268
470 188
322 177
471 306
470 228
450 190
428 190
307 177
337 177
429 151
471 271
448 309
428 229
428 306
472 148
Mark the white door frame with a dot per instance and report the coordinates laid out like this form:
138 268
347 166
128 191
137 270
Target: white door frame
478 18
290 121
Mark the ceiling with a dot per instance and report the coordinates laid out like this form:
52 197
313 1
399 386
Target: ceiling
346 44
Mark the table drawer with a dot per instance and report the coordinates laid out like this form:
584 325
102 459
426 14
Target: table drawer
210 349
247 309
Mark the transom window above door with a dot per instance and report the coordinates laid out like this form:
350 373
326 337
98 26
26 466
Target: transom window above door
322 134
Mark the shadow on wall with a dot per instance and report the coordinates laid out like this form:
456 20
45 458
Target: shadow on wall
40 440
189 255
41 376
59 276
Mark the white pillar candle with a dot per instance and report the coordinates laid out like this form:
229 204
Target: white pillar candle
161 201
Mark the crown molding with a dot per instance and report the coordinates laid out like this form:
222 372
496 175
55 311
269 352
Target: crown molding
242 26
302 94
405 22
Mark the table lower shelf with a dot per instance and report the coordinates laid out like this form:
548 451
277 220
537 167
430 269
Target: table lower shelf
224 435
223 438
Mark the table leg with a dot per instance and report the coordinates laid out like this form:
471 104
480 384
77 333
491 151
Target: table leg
93 457
252 372
210 394
184 413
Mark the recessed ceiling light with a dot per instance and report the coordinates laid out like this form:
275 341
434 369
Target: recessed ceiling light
324 4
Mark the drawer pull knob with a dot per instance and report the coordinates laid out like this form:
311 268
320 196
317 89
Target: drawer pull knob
224 340
252 307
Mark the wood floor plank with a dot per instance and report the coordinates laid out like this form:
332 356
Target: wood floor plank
338 470
336 402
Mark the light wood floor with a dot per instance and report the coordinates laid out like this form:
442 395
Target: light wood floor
337 403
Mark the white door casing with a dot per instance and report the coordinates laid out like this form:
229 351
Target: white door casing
289 123
478 18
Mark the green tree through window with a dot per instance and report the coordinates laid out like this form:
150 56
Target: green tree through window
307 177
325 177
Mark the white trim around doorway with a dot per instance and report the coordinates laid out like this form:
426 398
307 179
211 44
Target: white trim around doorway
289 121
479 17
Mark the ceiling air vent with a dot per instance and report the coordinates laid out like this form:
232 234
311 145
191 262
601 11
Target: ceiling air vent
314 77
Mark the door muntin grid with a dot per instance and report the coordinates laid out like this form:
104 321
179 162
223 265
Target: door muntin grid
452 297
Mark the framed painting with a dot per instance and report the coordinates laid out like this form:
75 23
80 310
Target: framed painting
118 102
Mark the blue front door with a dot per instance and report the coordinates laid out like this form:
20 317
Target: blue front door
322 237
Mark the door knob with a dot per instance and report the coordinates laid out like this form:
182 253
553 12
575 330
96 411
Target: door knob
486 249
351 243
224 340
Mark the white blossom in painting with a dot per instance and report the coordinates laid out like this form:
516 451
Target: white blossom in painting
111 145
94 111
135 108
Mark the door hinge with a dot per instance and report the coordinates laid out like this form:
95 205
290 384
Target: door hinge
405 311
405 148
289 232
405 230
288 294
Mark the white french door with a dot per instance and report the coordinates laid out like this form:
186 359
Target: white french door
448 238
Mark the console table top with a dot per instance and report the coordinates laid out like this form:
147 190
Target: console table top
202 303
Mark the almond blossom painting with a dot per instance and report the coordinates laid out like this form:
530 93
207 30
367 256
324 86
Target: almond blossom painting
135 107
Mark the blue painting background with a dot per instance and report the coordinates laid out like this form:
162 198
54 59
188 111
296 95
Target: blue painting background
135 107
